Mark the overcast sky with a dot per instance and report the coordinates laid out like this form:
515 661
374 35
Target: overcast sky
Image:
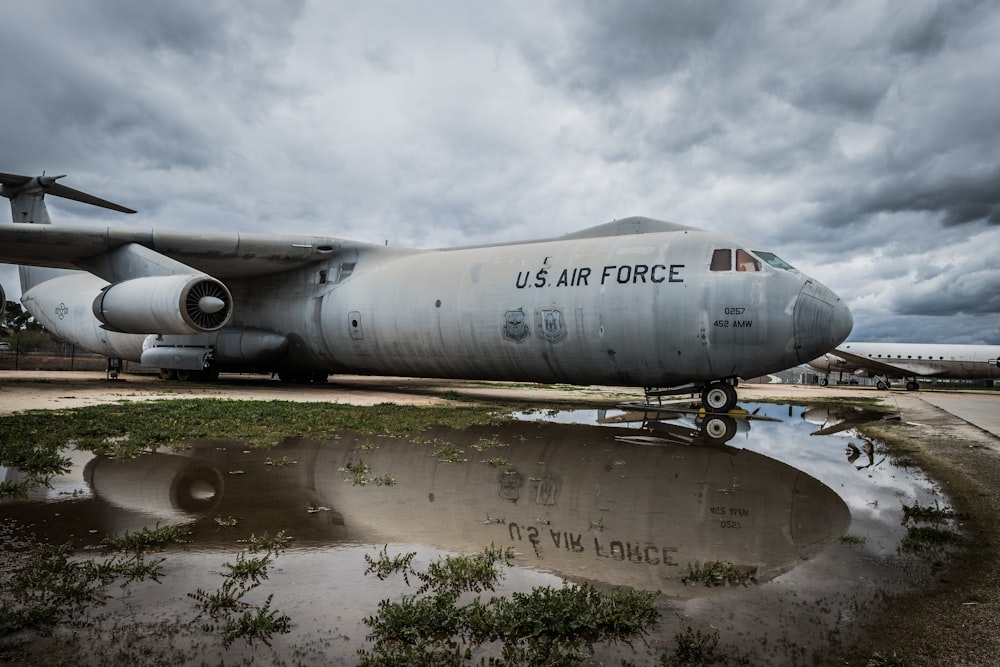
858 140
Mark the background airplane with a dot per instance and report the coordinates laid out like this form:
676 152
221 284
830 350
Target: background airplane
636 302
911 360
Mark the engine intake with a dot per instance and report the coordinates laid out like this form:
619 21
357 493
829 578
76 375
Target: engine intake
179 304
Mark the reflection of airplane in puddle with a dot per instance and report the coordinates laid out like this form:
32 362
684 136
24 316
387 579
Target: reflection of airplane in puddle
685 422
854 452
840 418
571 499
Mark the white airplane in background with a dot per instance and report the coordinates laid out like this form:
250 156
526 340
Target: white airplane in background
883 361
635 302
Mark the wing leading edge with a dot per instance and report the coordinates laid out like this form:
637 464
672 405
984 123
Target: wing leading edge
905 368
221 254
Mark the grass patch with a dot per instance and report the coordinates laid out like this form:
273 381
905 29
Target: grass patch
358 472
446 619
42 585
886 660
32 442
719 573
927 513
922 538
126 430
227 612
146 539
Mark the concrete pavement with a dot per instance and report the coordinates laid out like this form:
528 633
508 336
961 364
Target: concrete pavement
978 408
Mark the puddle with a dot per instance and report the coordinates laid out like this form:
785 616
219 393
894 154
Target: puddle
600 496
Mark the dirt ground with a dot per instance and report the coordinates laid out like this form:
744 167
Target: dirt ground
31 390
953 623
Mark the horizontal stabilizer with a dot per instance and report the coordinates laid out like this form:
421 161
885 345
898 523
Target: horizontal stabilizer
15 184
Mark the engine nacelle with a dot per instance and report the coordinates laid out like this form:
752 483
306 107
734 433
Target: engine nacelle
179 304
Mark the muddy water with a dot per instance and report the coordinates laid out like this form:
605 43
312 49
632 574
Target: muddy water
603 497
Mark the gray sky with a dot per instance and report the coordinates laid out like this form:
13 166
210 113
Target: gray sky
859 140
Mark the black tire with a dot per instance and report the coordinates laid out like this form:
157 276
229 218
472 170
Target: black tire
168 374
718 397
719 428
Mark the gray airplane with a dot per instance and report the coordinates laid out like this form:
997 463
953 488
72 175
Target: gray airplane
909 361
634 302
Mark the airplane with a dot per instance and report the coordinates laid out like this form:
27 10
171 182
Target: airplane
633 302
909 361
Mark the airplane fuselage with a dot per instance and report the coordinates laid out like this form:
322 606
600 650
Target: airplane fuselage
636 309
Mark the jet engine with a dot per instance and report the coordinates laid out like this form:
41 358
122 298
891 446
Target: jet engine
177 304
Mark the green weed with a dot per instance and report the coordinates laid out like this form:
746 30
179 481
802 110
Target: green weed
440 624
718 573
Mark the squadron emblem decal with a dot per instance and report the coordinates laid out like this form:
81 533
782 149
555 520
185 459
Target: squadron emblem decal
515 327
551 325
62 310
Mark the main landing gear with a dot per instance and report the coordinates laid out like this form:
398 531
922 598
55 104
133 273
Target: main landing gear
716 396
882 382
184 375
719 397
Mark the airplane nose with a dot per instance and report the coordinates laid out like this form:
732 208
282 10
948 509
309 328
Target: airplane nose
843 323
822 321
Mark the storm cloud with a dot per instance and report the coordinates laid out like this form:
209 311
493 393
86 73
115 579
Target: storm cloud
858 140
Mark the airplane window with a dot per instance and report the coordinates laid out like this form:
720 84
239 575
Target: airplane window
722 260
774 260
746 262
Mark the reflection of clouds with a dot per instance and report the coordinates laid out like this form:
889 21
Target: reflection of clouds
70 486
874 495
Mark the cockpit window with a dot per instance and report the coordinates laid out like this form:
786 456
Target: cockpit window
722 260
745 261
774 260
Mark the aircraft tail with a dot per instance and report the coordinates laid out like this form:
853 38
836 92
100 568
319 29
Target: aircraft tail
27 206
27 197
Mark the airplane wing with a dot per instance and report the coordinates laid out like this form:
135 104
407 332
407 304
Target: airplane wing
890 368
220 254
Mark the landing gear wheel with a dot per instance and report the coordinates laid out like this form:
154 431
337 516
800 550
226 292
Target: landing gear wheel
823 382
884 386
168 374
912 385
719 428
184 375
718 397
